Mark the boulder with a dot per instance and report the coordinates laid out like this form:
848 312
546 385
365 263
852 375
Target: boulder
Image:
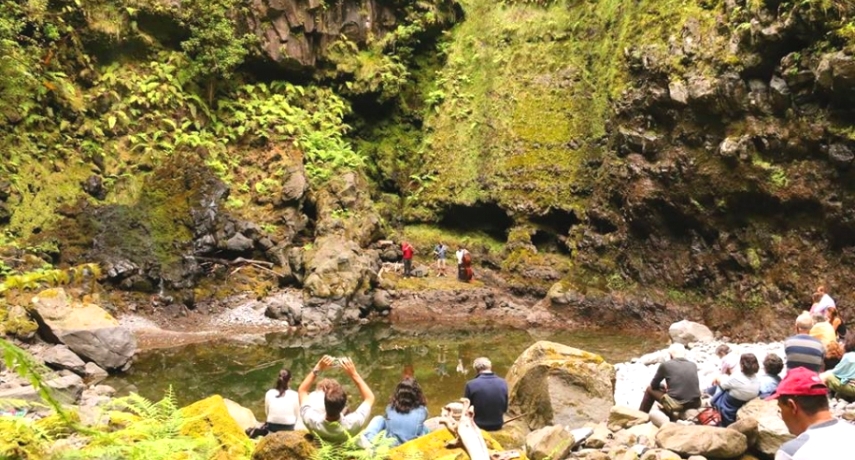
555 384
243 416
86 329
432 446
621 417
708 441
599 438
66 389
549 442
60 357
660 454
294 187
94 373
686 332
285 445
747 426
238 243
109 347
210 416
771 430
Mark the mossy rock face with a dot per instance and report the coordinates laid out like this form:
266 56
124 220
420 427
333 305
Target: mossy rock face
285 445
211 416
555 384
432 446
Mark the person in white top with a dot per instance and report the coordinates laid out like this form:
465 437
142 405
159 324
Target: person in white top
824 303
282 404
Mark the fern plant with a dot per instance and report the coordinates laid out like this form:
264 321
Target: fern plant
351 450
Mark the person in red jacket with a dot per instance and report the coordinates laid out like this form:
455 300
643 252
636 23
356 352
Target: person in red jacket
407 249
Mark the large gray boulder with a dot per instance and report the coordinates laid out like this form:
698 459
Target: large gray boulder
108 347
86 329
555 384
66 389
772 432
60 357
709 441
686 332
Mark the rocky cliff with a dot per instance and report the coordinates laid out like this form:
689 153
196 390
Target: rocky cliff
630 162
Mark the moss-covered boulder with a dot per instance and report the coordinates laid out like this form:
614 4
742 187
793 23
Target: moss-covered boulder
553 384
211 416
432 446
285 445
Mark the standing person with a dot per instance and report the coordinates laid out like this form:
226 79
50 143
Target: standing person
440 252
803 404
737 389
467 266
404 417
841 379
331 425
681 379
407 251
488 394
459 255
801 349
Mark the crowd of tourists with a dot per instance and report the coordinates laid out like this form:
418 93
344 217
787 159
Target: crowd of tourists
323 411
820 363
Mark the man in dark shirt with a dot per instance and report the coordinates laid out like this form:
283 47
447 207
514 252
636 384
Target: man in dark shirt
801 349
681 381
488 394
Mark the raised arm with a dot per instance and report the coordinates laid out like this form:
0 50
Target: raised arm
306 385
350 369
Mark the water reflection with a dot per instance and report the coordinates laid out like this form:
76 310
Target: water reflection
244 368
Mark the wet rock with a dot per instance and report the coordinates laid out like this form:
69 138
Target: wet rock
549 442
840 155
779 94
771 430
686 332
94 186
556 384
284 306
836 73
381 300
285 445
701 440
60 357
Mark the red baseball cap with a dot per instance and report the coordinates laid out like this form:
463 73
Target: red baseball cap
800 381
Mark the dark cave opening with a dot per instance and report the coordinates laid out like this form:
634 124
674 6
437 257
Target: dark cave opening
546 241
558 221
485 217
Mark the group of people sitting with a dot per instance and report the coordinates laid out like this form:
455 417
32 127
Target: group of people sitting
324 410
820 363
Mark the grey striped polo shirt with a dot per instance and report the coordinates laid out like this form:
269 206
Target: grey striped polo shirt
803 350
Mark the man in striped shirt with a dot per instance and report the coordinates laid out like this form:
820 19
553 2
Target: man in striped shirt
802 350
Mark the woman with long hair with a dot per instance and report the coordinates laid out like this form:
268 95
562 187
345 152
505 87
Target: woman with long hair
281 404
404 416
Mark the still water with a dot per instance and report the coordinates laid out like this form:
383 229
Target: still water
244 368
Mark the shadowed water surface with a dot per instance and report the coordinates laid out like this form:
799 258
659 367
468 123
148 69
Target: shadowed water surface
243 369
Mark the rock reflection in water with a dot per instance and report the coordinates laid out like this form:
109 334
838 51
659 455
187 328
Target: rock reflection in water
243 369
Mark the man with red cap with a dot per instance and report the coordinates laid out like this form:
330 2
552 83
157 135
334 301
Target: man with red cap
803 402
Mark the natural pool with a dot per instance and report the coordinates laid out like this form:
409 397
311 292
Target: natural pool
244 368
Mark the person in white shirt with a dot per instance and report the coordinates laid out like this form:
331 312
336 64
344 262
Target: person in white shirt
803 405
330 425
282 404
824 303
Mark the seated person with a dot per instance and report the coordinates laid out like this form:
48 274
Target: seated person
281 406
737 389
404 417
801 349
331 426
822 330
488 394
681 380
772 367
841 379
729 359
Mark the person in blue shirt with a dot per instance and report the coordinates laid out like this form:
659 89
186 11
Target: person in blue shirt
404 417
440 251
488 394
